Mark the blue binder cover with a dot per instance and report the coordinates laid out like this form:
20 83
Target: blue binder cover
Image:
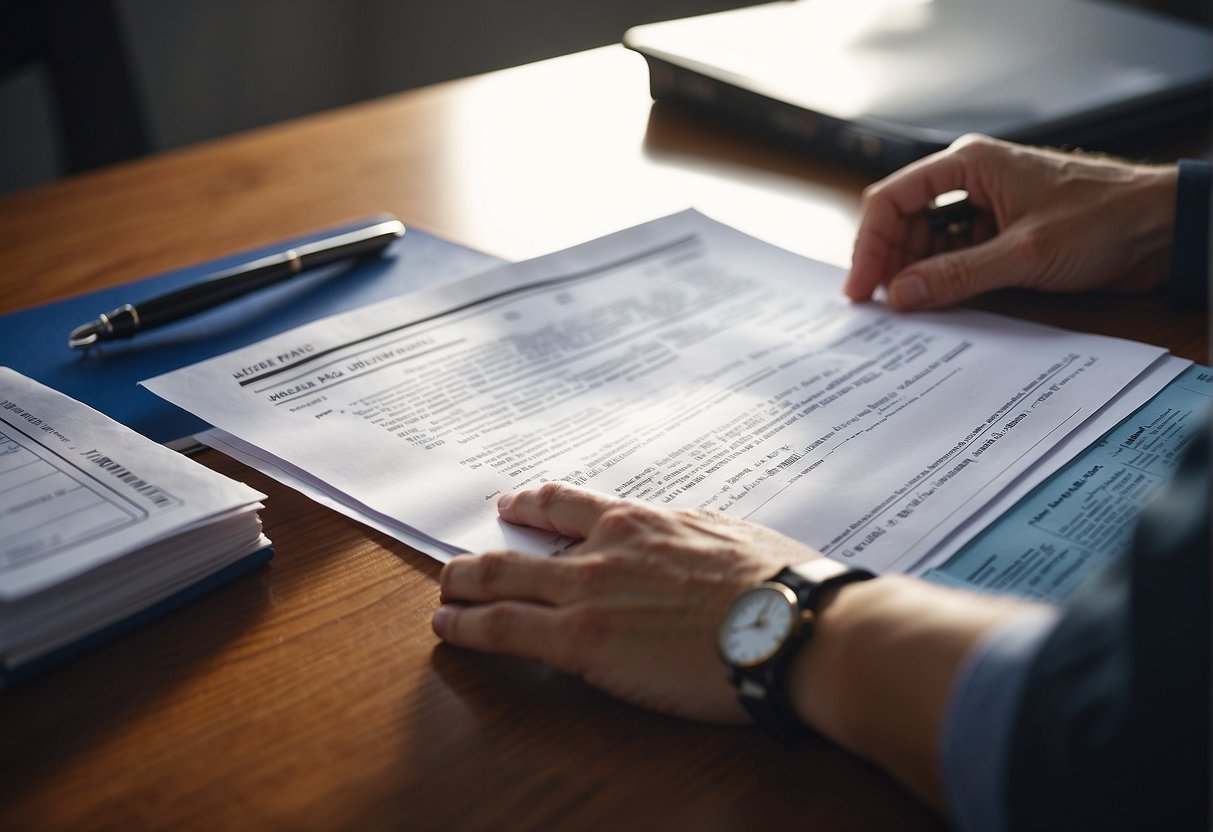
34 341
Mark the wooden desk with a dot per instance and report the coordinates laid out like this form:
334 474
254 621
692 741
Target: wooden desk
313 694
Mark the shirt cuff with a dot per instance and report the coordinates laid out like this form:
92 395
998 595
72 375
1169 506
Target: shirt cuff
976 740
1189 284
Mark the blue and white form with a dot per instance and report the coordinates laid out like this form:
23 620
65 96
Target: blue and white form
1084 515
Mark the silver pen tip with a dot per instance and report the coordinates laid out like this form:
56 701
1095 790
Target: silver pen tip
84 336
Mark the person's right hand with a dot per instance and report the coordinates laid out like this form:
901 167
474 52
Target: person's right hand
1047 220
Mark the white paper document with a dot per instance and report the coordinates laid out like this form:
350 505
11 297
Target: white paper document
318 490
952 538
680 362
78 490
1125 403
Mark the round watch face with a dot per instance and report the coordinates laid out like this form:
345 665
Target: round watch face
758 624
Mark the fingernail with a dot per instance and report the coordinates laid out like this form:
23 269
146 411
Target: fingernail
441 620
909 292
503 501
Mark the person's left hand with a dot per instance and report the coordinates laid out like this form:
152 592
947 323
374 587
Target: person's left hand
633 610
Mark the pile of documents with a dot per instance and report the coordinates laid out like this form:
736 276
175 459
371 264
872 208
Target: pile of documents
103 528
682 363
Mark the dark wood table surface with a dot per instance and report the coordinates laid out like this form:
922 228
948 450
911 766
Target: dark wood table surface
312 694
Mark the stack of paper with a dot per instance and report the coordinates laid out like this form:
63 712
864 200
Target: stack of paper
682 363
102 528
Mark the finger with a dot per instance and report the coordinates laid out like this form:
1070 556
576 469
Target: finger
909 191
877 250
512 576
556 506
888 207
949 278
514 628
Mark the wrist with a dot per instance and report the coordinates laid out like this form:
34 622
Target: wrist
764 630
1149 210
877 676
812 679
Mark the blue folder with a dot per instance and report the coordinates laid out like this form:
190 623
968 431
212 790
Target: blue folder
34 341
1075 522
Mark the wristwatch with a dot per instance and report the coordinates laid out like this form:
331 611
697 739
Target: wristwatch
762 631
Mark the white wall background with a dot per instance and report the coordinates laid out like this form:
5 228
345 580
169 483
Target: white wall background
210 67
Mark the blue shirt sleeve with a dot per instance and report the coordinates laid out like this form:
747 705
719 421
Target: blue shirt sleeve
1189 284
976 746
981 716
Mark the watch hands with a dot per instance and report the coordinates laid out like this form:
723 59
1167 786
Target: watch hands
761 620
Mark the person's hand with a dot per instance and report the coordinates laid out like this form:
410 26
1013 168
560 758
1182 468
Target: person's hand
1047 220
634 609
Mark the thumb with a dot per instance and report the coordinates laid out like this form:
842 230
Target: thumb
949 278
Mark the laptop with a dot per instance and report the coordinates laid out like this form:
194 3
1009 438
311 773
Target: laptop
883 82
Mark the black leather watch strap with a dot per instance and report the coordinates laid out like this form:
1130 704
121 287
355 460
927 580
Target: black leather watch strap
763 689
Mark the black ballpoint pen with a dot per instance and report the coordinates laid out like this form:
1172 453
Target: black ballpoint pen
951 213
127 320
